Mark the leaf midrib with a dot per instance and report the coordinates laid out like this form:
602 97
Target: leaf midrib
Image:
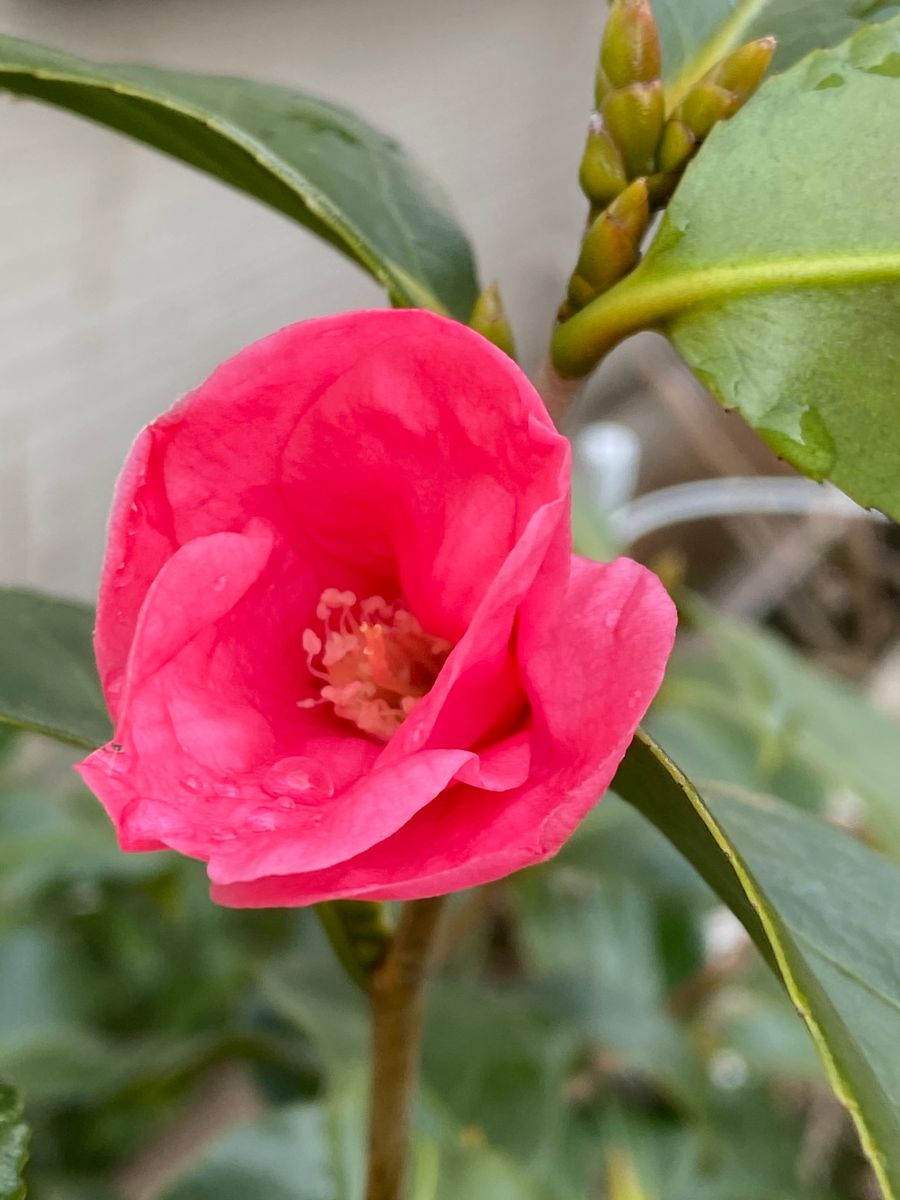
643 301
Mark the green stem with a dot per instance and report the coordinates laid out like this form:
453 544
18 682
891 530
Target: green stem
397 1000
645 300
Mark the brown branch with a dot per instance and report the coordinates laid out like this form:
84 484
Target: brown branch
557 393
397 1002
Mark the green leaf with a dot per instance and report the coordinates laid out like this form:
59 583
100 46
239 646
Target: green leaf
317 163
695 34
13 1145
48 682
810 896
776 271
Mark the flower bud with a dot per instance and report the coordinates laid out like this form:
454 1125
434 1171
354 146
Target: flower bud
677 146
634 117
725 88
630 51
704 106
602 173
490 320
742 71
611 246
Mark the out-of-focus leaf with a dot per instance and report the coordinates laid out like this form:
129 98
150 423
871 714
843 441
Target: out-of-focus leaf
808 894
62 1064
48 682
595 938
317 163
452 1162
49 841
741 706
776 271
507 1087
695 34
286 1155
751 1154
615 843
315 1152
309 989
13 1145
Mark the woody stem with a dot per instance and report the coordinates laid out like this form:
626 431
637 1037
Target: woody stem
557 393
396 994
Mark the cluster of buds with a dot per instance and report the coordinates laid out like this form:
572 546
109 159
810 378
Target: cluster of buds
636 152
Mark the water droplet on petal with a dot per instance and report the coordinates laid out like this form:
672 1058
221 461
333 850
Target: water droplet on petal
116 747
219 583
192 783
611 618
300 780
222 835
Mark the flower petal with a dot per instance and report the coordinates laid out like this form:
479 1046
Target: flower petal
592 675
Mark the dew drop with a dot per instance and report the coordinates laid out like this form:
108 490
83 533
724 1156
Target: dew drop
222 835
192 783
116 747
611 619
299 780
219 583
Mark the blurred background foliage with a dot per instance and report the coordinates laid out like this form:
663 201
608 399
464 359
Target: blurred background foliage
599 1027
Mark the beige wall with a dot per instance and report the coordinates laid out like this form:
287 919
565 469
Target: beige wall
125 277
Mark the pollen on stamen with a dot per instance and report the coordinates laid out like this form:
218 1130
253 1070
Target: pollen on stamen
374 668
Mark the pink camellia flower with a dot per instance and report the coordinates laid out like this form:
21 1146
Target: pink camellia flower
341 632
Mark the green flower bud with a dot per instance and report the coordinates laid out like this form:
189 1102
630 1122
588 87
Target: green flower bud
612 245
490 320
634 117
630 51
677 146
704 106
725 88
742 71
602 173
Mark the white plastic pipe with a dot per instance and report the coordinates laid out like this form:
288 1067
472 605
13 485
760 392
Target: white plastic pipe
728 497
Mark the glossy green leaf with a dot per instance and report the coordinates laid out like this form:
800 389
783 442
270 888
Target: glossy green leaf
48 682
776 271
13 1145
821 908
317 163
695 34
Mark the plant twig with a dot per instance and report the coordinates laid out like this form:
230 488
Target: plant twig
558 394
397 1001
